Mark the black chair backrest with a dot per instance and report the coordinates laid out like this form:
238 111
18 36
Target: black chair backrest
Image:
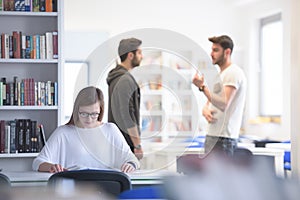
109 181
4 181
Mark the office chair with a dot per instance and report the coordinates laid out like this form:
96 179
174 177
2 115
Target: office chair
4 181
108 181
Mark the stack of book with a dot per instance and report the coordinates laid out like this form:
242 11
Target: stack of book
18 45
21 136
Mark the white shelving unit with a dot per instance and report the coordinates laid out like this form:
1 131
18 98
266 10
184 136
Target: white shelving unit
168 103
31 23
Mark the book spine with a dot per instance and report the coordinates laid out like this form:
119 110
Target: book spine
16 45
10 46
42 137
34 137
7 137
2 136
28 5
3 89
55 44
42 5
9 5
27 136
35 5
8 93
28 47
49 45
22 5
11 94
56 93
49 6
54 5
20 132
43 47
37 46
13 137
17 5
15 90
0 45
23 49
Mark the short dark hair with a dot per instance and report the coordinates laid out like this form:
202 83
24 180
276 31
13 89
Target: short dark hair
128 45
224 41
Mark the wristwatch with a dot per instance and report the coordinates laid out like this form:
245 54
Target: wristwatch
138 146
201 88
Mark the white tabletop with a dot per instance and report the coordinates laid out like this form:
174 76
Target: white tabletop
33 178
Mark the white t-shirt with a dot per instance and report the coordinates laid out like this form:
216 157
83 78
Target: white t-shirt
103 147
229 122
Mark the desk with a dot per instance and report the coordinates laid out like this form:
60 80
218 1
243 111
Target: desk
32 178
166 158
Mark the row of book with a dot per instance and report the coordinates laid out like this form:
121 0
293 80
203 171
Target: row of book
18 45
29 5
21 136
28 92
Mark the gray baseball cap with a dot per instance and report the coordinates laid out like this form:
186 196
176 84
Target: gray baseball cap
128 45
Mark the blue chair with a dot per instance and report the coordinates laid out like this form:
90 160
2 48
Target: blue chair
147 192
199 140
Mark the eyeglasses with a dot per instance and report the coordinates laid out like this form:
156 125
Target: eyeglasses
92 115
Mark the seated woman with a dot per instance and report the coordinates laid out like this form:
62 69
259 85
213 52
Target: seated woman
85 141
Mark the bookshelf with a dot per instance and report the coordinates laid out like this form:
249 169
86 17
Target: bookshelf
168 102
39 68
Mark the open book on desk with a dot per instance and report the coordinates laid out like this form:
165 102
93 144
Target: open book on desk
151 174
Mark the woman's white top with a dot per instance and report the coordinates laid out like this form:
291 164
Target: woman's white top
103 147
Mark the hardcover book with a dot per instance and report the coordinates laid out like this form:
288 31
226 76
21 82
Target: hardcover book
2 136
13 137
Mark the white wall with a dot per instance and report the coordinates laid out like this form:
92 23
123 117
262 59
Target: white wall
195 19
198 20
253 13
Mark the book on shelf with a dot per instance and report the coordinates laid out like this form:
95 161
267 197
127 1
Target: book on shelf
9 5
7 138
19 5
49 45
13 137
3 92
42 5
17 37
38 46
35 6
49 5
28 5
2 136
55 44
21 136
41 137
5 45
27 92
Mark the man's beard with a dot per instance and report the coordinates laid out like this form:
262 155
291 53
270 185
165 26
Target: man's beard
220 60
135 62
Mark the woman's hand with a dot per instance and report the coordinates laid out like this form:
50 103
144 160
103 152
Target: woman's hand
127 168
57 168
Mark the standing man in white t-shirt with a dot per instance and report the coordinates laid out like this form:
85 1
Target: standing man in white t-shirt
226 100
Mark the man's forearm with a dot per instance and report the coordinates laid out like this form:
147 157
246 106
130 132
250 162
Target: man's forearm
216 100
134 135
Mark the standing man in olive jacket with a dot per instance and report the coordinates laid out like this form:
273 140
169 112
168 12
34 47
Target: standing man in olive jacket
124 94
